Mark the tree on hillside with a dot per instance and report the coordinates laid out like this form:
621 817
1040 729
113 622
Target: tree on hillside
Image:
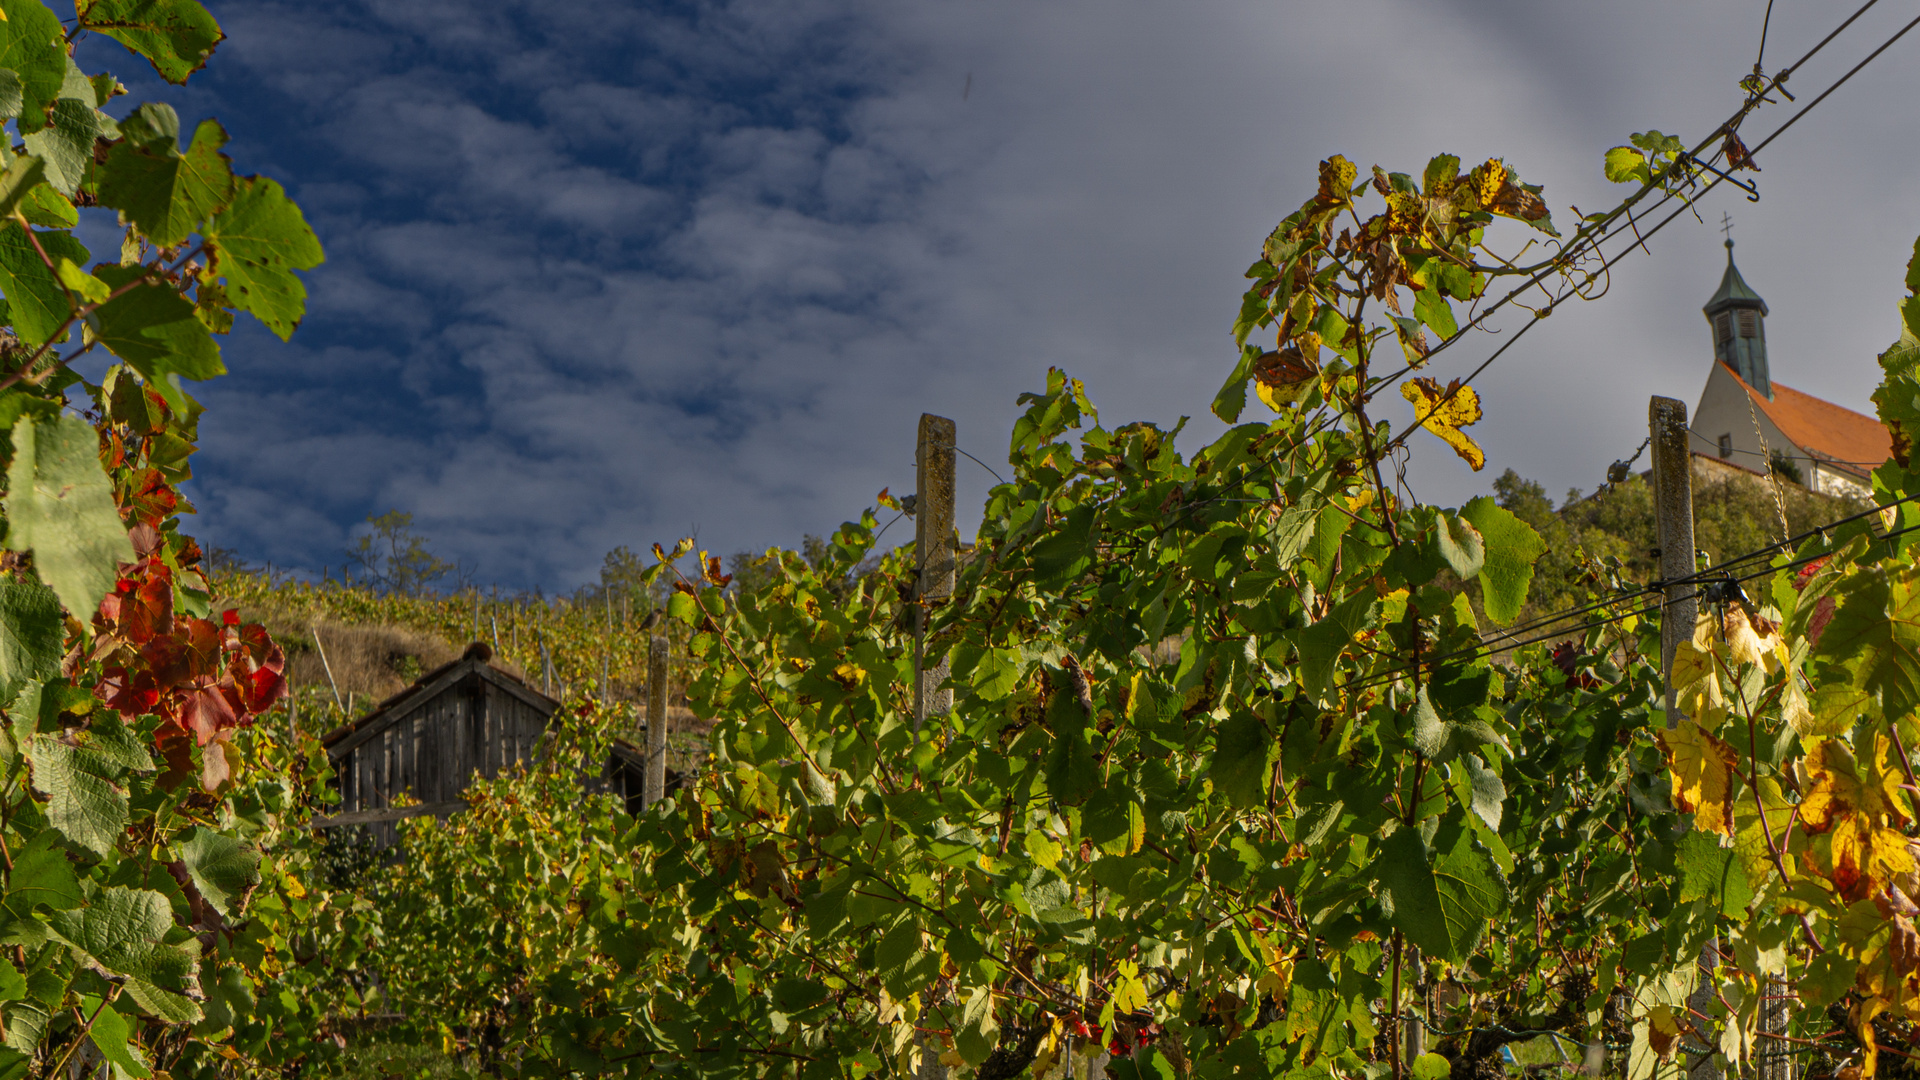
1611 532
752 572
395 559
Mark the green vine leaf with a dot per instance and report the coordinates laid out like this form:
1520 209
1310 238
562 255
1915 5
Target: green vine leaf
60 506
1441 903
1512 547
257 242
84 800
1243 760
154 329
33 47
166 193
177 36
37 301
66 143
32 635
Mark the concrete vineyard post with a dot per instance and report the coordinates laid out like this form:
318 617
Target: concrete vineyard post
1673 518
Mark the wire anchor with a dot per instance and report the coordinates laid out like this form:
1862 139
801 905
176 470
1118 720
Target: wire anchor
1751 187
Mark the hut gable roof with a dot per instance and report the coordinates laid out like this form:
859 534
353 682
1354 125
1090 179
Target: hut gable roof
475 663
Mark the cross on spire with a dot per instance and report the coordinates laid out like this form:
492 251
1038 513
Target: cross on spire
1726 226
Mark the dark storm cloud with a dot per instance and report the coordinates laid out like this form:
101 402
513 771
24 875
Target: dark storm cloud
601 274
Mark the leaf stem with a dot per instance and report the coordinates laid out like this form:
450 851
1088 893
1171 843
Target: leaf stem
85 1029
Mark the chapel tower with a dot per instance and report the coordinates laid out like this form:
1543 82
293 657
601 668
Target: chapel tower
1739 320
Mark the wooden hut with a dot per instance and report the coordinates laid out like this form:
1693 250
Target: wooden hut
625 775
430 739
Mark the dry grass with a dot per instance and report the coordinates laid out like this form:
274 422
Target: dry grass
372 663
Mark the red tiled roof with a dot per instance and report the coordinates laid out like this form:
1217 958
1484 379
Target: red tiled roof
1848 440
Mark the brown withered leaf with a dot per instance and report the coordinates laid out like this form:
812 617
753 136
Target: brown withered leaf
1738 157
1903 949
1284 376
1497 190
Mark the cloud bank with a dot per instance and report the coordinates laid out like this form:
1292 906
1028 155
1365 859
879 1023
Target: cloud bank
605 274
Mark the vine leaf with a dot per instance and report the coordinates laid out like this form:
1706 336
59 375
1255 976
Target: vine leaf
1624 163
1512 547
122 930
167 193
1696 678
1488 791
257 242
1875 638
1441 904
176 36
36 300
84 801
1701 766
1860 808
33 46
1243 760
1231 400
978 1029
66 143
32 634
1430 307
1071 771
1709 871
1322 643
1897 400
1289 374
60 507
110 1033
1460 545
225 869
22 178
154 329
42 876
1443 740
1444 410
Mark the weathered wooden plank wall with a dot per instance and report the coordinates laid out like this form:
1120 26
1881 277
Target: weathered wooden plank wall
433 750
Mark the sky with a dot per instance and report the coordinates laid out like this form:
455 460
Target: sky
605 274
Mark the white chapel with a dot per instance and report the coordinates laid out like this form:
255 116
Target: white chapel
1748 421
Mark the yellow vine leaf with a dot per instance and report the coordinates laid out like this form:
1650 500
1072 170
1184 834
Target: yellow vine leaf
1696 681
1751 644
1796 711
1861 1016
1444 410
1837 785
1859 806
1702 771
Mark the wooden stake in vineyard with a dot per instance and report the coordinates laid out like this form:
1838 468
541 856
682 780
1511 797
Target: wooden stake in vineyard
933 545
653 784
